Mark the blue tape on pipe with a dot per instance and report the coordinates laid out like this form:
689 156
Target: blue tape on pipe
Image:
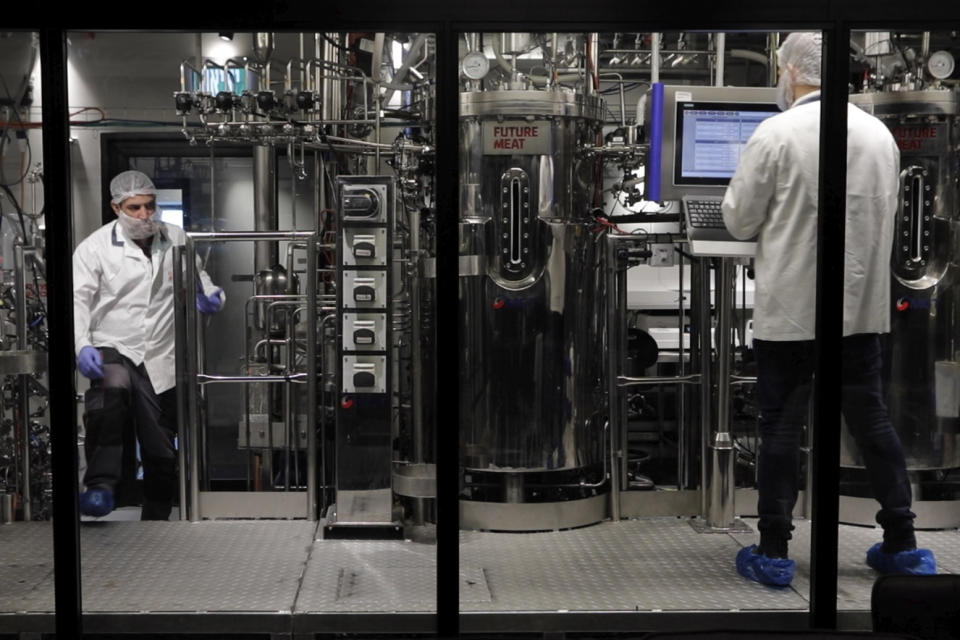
653 175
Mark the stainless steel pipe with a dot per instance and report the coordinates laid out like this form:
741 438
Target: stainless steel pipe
720 512
704 332
227 236
193 391
264 204
180 337
23 384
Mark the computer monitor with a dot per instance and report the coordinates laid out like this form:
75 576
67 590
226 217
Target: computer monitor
696 136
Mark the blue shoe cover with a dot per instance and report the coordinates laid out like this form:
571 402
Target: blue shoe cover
915 562
777 572
96 502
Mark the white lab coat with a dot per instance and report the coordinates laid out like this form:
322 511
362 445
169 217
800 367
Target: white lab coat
774 194
124 300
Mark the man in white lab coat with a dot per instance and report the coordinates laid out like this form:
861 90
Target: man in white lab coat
773 195
124 339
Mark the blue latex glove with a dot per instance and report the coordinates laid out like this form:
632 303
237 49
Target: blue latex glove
90 363
211 303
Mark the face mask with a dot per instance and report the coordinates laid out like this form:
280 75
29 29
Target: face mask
784 90
139 229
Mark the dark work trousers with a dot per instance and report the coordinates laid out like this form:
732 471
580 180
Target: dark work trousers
784 373
125 399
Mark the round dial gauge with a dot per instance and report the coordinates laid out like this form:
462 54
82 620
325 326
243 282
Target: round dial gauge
475 65
940 64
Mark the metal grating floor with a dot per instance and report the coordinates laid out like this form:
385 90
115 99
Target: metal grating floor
280 567
659 564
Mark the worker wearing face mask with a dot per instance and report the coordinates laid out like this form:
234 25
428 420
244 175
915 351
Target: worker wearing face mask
773 195
124 335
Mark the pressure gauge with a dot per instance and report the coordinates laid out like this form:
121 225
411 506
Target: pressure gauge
475 65
940 64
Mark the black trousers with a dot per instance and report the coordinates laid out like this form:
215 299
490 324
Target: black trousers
784 373
123 401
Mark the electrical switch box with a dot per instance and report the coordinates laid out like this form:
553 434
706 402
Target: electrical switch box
364 202
364 246
364 331
364 289
364 373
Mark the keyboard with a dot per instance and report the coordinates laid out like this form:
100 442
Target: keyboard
706 233
704 213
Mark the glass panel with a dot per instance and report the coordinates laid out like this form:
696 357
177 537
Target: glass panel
302 314
608 404
26 554
905 456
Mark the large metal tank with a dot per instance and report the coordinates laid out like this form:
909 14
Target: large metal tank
922 363
531 405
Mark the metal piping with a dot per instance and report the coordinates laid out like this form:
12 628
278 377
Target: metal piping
593 59
419 508
720 46
330 93
773 43
654 58
681 391
264 204
183 75
193 399
311 277
706 387
226 236
289 403
263 45
20 286
720 514
628 381
179 327
623 106
328 319
415 339
405 66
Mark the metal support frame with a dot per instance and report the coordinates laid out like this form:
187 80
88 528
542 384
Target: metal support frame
192 377
720 515
718 456
718 488
831 224
615 345
62 376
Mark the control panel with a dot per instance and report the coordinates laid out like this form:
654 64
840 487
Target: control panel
364 284
364 442
363 246
364 332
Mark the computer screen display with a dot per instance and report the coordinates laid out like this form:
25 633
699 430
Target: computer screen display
710 137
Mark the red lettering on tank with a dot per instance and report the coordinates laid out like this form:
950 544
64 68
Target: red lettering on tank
910 145
915 133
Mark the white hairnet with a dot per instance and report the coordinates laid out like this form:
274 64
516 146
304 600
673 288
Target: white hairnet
130 183
802 51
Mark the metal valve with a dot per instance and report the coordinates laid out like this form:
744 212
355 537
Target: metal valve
184 102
